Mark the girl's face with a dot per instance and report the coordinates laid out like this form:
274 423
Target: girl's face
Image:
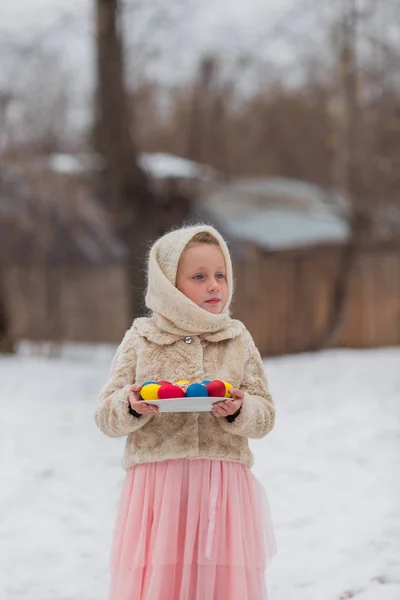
201 276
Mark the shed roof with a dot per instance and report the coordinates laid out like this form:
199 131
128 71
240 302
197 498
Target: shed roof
158 165
283 229
37 222
276 213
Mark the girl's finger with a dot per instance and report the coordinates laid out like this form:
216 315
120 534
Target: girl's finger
220 412
144 408
150 411
227 407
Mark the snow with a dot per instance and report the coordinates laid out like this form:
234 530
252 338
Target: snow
65 163
307 195
285 229
278 213
161 165
330 468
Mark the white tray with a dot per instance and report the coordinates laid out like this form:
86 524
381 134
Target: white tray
198 404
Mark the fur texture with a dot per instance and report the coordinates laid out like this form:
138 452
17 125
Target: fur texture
146 353
155 349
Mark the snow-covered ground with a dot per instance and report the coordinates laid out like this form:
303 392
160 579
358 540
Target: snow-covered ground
331 469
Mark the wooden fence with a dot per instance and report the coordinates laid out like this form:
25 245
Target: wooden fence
286 298
67 303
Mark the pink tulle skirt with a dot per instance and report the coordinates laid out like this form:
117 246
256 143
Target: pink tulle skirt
191 530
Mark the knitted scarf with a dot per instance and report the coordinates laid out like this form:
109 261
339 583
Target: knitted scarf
172 311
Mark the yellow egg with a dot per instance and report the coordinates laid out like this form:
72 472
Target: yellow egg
228 386
182 382
150 391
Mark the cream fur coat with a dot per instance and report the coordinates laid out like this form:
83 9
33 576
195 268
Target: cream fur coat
183 341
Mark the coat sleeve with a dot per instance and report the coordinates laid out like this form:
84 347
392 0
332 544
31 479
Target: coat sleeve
257 415
112 416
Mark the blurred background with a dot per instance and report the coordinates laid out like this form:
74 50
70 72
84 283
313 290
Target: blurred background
277 121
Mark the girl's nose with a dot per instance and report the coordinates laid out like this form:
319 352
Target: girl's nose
214 285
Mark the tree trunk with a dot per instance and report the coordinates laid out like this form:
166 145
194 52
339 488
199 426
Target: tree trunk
339 297
6 342
348 165
124 187
199 119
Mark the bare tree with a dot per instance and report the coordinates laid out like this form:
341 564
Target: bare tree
6 342
355 168
125 188
35 107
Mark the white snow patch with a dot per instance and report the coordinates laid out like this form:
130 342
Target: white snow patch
330 469
158 165
285 229
161 165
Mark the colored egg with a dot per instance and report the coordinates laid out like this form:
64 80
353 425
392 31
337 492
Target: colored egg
206 382
196 390
148 383
177 391
170 391
216 389
228 387
150 391
182 382
164 383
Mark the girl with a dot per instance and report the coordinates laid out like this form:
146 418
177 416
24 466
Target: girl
193 522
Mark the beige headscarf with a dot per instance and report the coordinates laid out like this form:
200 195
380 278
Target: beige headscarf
172 311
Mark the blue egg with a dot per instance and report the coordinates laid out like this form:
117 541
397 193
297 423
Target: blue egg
195 390
148 383
206 382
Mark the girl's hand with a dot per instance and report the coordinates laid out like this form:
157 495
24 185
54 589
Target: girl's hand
229 406
139 405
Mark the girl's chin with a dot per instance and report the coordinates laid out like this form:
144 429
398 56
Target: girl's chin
213 308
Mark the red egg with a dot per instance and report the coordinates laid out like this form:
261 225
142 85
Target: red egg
216 388
170 391
164 383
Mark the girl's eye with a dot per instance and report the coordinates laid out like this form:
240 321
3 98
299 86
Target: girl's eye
220 275
198 277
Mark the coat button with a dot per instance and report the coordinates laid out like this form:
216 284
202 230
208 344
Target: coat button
188 339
